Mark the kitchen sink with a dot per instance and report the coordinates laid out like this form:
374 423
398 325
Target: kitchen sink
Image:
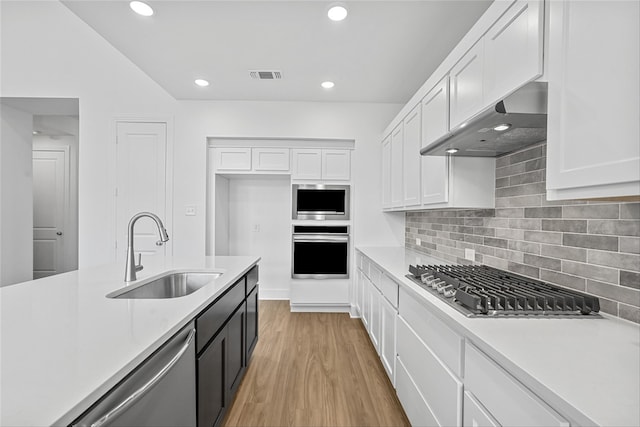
173 285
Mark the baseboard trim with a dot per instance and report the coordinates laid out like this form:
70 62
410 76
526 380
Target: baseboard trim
320 308
353 312
273 294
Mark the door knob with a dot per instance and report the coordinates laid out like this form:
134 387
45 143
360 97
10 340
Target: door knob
59 233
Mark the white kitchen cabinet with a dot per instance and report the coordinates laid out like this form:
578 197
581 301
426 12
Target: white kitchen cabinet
411 157
508 401
412 401
435 180
386 173
388 317
374 322
321 164
357 292
441 390
467 91
366 302
270 159
336 165
397 193
306 163
513 50
435 113
232 159
594 81
475 415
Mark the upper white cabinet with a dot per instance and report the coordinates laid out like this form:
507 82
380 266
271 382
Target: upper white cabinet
593 147
336 165
386 173
467 85
513 50
270 159
435 112
232 159
411 158
397 193
321 164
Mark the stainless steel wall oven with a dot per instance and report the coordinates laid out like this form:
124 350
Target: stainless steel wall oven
320 202
320 252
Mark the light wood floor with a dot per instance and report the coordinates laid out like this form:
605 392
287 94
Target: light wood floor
313 369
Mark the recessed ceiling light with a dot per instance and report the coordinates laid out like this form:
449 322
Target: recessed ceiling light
337 13
36 132
502 127
201 82
141 8
327 85
452 150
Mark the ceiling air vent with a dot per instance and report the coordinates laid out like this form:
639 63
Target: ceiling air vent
265 75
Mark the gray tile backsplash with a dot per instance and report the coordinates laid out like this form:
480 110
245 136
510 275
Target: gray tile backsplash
590 246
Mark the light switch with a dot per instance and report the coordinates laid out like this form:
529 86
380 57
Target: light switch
418 242
190 210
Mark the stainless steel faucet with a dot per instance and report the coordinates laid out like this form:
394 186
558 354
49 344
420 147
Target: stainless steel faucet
131 268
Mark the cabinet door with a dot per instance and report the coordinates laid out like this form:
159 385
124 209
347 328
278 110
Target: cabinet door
252 324
388 317
357 290
374 323
232 159
234 367
386 173
594 78
366 302
397 137
307 163
270 159
435 179
513 49
435 113
336 165
467 77
211 382
411 157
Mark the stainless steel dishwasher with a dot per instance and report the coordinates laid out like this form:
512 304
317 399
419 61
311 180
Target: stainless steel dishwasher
160 392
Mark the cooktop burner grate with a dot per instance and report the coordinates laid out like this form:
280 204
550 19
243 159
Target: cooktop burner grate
483 290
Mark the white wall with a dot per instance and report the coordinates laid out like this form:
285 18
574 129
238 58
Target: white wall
259 224
48 52
197 120
16 183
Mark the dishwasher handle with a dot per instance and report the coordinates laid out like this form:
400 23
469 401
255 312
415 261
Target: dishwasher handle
113 413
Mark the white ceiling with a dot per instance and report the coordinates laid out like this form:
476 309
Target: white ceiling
382 52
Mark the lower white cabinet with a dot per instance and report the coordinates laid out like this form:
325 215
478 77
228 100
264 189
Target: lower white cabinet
412 401
475 415
505 399
438 386
388 318
374 321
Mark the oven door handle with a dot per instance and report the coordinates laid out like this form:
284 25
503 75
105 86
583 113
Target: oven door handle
319 239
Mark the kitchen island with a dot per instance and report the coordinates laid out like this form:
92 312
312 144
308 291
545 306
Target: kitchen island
580 370
64 344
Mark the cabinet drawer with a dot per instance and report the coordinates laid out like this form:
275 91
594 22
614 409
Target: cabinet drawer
475 415
252 279
413 404
375 275
214 317
232 159
270 159
508 401
389 289
441 390
443 341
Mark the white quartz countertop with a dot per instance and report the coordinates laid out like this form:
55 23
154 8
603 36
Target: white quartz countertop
63 344
586 368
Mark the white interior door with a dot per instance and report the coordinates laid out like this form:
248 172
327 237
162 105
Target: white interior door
141 184
50 204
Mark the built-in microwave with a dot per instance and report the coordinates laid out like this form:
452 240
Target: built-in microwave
320 202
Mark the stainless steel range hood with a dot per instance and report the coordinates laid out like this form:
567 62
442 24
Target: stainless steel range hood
522 115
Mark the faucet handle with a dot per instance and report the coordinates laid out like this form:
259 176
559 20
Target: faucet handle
139 265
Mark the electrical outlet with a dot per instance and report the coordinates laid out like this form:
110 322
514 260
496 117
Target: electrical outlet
470 254
418 242
190 210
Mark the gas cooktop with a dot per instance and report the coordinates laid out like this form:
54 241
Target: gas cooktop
486 291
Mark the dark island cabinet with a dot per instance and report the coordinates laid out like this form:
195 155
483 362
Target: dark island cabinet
227 332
